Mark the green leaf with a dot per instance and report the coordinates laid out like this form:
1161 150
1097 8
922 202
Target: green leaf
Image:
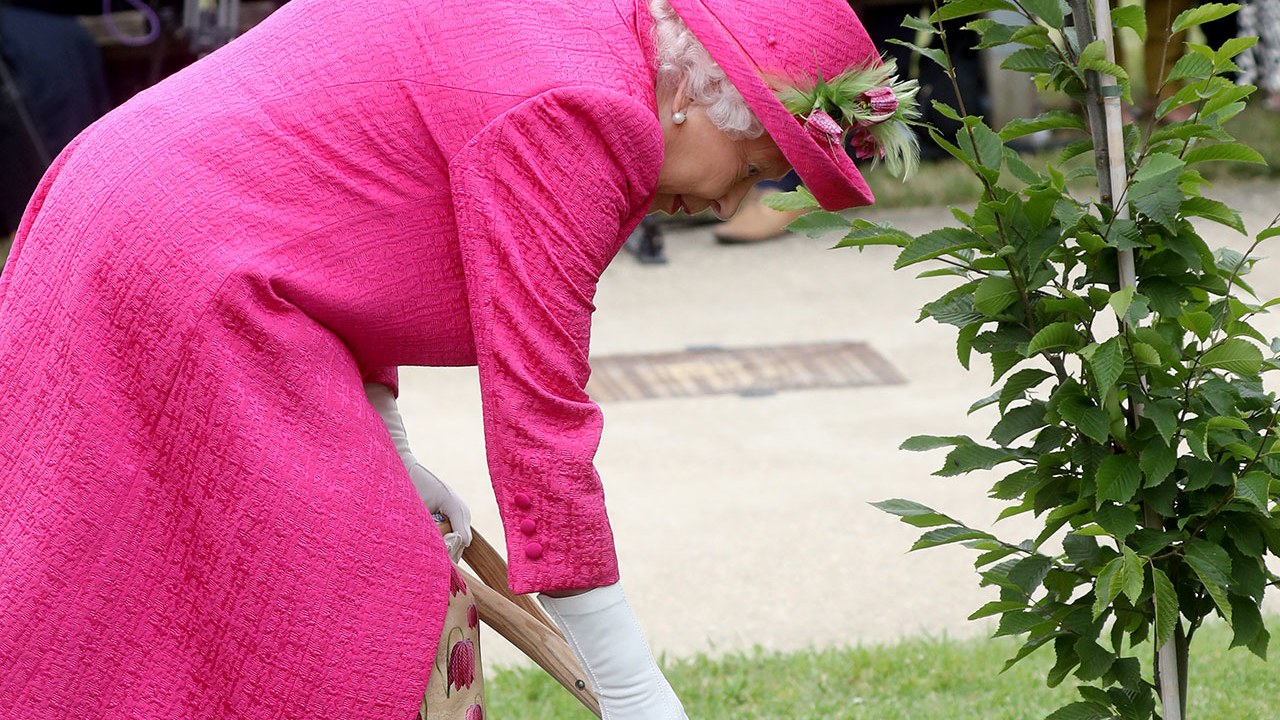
1132 574
935 54
965 8
1212 565
1118 478
967 458
948 535
1191 67
1018 422
1107 364
915 23
1120 300
1132 17
1157 461
818 223
1254 488
994 294
936 244
863 234
1118 520
1033 60
1202 14
1164 414
1094 57
1230 152
1108 585
913 513
1057 336
964 343
798 199
1051 120
1166 599
1198 322
919 443
1020 382
1213 210
1233 355
1157 167
1049 11
1091 419
1095 660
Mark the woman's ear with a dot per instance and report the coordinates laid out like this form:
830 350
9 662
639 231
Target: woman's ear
680 98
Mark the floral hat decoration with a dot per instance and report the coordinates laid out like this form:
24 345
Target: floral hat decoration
812 75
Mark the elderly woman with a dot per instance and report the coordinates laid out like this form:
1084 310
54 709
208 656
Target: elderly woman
207 501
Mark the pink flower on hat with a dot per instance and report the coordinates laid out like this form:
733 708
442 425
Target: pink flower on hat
823 127
462 664
475 712
882 102
865 145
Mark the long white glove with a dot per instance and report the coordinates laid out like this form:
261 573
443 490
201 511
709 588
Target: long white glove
438 497
606 637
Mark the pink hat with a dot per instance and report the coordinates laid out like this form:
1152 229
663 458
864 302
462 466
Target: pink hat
756 39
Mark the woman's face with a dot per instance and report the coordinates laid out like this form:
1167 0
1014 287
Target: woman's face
705 168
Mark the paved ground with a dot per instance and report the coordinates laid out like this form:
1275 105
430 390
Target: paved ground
745 521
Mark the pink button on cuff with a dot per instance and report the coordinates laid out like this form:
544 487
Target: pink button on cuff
522 501
533 550
528 526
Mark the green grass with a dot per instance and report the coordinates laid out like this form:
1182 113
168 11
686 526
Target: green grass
919 679
948 182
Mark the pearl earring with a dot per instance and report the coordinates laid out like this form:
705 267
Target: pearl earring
678 118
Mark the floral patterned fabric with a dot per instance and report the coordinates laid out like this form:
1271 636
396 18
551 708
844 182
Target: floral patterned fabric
455 690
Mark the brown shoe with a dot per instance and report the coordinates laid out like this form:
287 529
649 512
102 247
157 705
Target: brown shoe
755 222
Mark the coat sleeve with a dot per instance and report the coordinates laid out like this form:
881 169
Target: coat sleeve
545 195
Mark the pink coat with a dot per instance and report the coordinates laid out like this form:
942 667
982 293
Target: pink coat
200 514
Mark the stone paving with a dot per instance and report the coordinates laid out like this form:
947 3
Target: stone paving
744 521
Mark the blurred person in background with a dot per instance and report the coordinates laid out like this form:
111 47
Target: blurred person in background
208 502
1260 64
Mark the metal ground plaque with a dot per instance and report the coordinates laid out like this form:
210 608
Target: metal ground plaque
739 371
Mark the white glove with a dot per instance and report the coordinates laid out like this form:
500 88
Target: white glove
607 640
438 497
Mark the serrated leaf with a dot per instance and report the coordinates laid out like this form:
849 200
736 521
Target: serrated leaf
1156 462
818 223
996 607
1034 60
1164 414
1020 382
965 8
1120 300
1018 422
919 443
1118 478
1051 120
935 54
1094 57
1089 418
1233 355
1048 11
1214 210
967 458
1212 565
1107 365
1166 599
1198 322
994 294
948 535
1229 152
1191 67
1095 660
913 513
1056 336
1132 17
798 199
1254 488
1200 15
1132 575
936 244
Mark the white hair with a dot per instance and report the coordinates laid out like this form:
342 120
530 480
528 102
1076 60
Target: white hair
682 57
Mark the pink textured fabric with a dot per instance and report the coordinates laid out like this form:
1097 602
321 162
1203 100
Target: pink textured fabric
200 514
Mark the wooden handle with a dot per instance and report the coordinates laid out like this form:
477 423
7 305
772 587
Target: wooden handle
520 619
489 565
539 642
